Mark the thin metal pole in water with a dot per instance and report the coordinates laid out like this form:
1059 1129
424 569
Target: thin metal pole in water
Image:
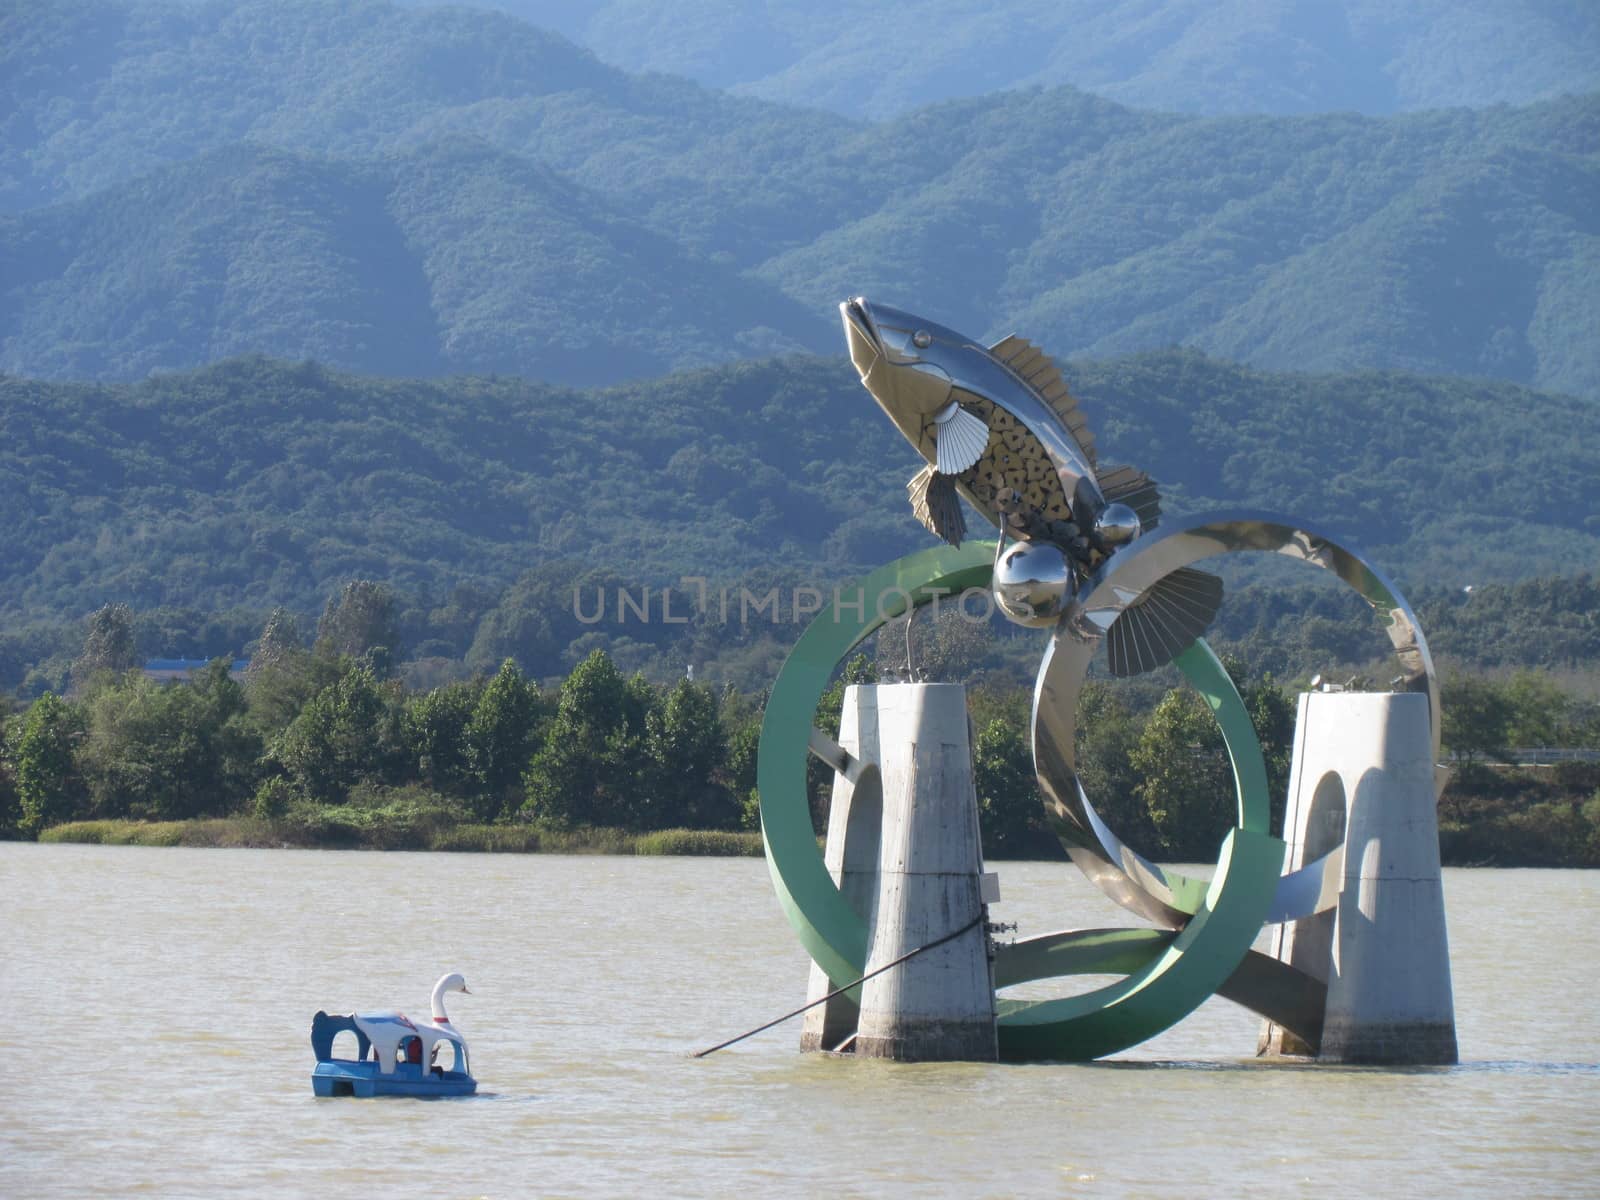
933 945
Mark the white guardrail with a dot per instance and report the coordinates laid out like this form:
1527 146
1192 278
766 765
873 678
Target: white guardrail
1535 756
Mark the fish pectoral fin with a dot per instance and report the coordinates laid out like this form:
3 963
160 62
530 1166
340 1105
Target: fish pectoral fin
1163 622
1130 486
935 503
960 438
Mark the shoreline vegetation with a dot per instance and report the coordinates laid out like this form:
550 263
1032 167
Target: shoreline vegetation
1526 839
1491 815
254 833
327 745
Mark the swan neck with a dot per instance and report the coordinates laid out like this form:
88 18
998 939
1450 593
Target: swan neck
437 1004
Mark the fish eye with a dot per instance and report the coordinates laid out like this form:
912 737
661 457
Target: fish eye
922 339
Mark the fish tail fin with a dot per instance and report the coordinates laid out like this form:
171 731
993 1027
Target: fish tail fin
1130 486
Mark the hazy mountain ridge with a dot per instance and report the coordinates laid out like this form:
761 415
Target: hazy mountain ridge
447 259
101 91
1203 56
476 195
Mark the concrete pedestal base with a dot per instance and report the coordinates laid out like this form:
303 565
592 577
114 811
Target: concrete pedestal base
855 834
938 1006
1366 760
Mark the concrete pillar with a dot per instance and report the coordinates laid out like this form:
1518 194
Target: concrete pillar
1387 961
1313 824
938 1006
1389 996
855 828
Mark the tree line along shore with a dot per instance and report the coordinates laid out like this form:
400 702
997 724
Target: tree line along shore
321 746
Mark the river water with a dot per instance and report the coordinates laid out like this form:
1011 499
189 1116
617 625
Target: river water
157 1005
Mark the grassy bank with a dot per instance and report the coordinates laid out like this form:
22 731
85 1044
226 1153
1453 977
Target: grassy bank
218 831
1489 815
254 833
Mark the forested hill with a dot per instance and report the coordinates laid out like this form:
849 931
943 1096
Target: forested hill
256 482
448 258
1212 56
437 191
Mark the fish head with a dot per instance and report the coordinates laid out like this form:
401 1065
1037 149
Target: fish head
904 360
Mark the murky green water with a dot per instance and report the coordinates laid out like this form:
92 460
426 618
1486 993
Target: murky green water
157 1006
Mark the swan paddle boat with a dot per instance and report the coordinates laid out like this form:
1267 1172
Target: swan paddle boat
394 1056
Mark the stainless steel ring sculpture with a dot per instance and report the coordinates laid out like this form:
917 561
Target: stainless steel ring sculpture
1164 896
997 428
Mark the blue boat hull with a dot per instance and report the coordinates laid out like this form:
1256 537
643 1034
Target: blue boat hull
364 1080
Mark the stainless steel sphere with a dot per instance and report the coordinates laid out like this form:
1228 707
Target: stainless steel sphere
1118 524
1033 583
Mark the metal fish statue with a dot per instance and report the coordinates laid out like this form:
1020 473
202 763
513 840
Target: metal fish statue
998 427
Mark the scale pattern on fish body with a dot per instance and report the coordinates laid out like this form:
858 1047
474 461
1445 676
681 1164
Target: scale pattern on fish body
1015 460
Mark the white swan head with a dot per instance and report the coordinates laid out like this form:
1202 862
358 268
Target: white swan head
452 982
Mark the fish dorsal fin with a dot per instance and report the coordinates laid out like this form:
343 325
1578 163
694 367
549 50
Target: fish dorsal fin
1130 486
1039 371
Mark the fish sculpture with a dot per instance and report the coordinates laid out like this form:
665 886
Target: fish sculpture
997 427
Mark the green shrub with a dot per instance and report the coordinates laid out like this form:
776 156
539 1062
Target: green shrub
92 833
117 833
706 842
272 799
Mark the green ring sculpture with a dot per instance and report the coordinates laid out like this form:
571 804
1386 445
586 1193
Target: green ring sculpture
1169 976
831 931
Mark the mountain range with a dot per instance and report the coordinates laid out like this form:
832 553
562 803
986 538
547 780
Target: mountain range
254 482
1205 56
425 192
